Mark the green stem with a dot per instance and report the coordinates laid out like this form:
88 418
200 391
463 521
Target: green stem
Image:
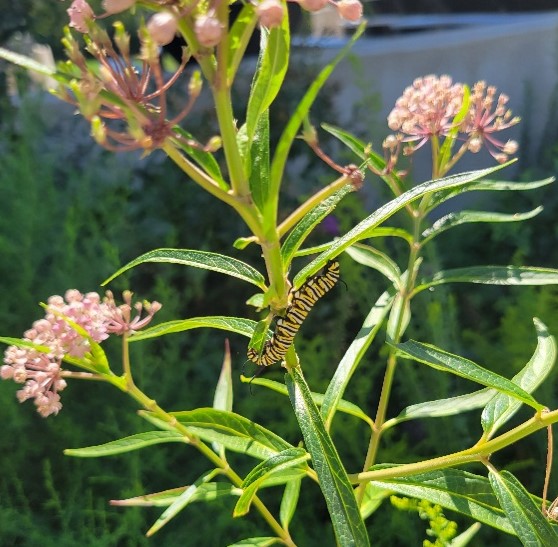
151 405
311 202
479 452
405 292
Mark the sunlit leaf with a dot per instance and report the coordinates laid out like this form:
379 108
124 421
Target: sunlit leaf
197 259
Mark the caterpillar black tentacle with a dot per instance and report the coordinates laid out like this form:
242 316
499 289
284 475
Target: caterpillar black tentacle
302 302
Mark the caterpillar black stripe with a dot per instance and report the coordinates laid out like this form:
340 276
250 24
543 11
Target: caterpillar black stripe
302 302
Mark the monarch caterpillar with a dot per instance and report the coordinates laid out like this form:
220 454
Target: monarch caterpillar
302 302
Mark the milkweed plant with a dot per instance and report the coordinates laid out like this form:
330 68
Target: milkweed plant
124 96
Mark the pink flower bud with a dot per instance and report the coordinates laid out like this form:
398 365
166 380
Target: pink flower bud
162 27
313 5
80 13
209 30
270 13
116 6
350 9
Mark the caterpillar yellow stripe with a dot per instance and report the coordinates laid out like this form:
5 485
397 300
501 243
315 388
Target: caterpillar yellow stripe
302 302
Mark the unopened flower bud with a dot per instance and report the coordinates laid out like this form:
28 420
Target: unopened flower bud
313 5
510 147
213 144
270 13
350 9
500 158
80 13
195 84
209 30
116 6
475 145
98 131
162 27
390 142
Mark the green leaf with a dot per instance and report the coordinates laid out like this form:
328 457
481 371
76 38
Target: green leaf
371 257
198 259
353 356
259 161
464 217
454 489
270 73
239 37
292 457
465 537
304 228
338 492
127 444
383 213
256 542
291 129
489 185
233 431
181 502
206 160
444 155
531 527
502 407
373 498
444 407
289 502
223 398
364 151
260 335
231 324
26 62
448 362
318 398
209 491
492 275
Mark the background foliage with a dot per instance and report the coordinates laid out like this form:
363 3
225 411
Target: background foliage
70 209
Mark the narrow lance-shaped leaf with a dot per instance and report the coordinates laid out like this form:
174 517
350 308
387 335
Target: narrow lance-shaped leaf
304 228
318 398
292 457
289 502
373 258
270 73
233 431
448 362
502 407
259 161
232 324
353 356
182 501
466 217
364 151
197 259
338 492
383 213
444 407
492 275
257 542
206 492
488 185
204 159
531 527
291 130
454 489
239 37
127 444
223 398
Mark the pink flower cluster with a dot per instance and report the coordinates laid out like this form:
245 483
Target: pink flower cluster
428 109
59 335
